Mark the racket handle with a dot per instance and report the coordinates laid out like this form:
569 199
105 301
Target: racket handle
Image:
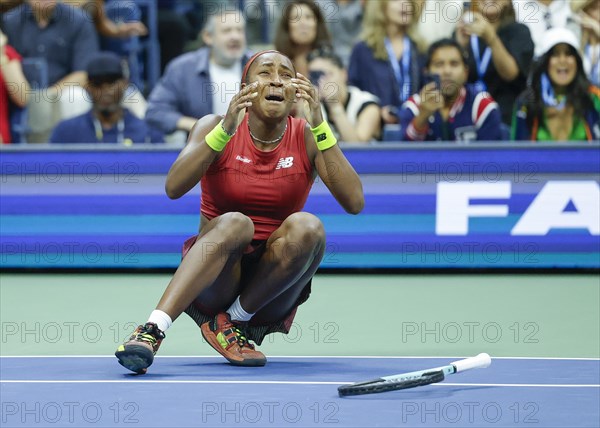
480 361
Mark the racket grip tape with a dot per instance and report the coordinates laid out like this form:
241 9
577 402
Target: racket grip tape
480 361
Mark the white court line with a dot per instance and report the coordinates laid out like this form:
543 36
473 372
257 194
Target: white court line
376 357
285 382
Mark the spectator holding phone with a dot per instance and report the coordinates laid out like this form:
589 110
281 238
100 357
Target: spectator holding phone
451 110
353 114
500 51
387 61
561 104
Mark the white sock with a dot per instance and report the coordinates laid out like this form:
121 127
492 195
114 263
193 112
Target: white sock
237 313
161 319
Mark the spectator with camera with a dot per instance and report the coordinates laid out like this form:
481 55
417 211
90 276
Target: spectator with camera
448 109
500 52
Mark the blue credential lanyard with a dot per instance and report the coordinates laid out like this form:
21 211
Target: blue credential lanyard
100 132
402 76
548 94
481 63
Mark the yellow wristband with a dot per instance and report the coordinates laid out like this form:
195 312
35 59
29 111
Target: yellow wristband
217 139
324 136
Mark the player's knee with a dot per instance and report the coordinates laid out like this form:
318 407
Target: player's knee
237 226
306 229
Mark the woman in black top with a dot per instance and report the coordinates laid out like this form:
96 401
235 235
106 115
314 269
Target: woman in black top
500 51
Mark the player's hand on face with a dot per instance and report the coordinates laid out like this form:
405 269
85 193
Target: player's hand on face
308 96
238 105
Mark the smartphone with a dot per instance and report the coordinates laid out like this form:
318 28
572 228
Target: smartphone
315 76
433 78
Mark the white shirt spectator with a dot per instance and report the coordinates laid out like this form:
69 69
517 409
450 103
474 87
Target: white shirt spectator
356 103
227 81
438 19
540 17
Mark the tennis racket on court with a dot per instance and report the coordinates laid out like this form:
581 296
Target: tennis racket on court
414 379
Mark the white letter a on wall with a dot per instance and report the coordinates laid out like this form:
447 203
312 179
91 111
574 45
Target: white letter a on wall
547 211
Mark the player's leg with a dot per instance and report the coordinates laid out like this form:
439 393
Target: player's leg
292 255
215 255
213 262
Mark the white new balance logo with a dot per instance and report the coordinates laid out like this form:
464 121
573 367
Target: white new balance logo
285 162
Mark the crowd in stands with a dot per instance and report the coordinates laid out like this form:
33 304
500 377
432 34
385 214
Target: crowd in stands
386 70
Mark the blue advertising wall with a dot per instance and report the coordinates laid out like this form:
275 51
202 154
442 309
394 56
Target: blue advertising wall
442 206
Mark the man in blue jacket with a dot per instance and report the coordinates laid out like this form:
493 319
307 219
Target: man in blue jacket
204 81
448 109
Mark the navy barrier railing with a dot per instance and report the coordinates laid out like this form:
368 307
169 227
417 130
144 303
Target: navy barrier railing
427 206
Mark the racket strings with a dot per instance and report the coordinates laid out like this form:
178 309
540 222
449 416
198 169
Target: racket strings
384 385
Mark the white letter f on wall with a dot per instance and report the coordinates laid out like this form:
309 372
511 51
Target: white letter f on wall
453 208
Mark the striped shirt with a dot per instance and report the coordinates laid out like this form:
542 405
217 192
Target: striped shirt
474 116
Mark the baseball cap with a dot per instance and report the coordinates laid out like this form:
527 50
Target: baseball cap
556 36
104 65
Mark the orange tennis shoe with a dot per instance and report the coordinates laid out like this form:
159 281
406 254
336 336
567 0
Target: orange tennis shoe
137 354
228 340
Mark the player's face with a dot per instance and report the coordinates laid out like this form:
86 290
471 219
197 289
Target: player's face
562 67
448 63
274 73
302 25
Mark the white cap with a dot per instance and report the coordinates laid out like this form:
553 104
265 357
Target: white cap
556 36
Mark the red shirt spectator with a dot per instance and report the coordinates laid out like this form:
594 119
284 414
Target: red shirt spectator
11 55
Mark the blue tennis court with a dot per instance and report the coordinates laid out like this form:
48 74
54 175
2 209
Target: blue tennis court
295 391
57 367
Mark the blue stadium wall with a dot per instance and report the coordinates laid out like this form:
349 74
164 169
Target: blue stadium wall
476 206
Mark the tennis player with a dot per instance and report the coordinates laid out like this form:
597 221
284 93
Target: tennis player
244 275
